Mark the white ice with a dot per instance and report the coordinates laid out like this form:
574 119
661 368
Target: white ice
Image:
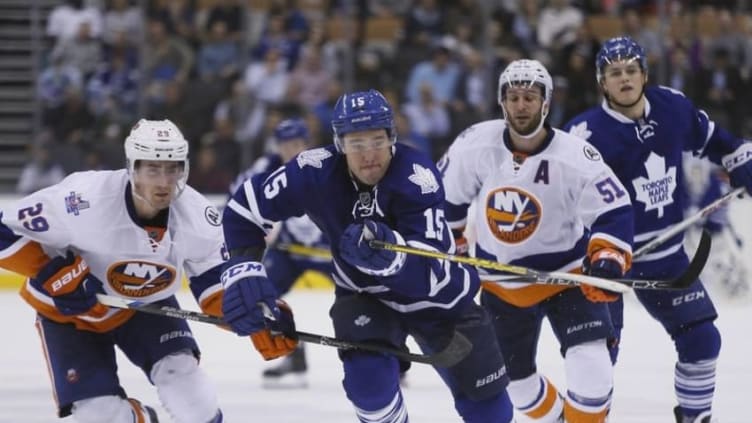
643 380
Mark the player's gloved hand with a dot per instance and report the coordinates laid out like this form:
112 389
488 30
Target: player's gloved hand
605 263
739 166
461 246
70 284
354 248
250 304
279 337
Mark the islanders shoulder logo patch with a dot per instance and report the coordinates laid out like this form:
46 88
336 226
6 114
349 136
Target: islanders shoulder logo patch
512 214
138 279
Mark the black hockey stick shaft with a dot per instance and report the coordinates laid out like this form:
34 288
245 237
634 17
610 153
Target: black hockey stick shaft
457 349
683 281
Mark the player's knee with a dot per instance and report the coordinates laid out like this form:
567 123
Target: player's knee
378 389
482 374
589 376
701 341
113 409
184 389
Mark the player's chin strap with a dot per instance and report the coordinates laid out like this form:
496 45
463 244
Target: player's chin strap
456 350
528 275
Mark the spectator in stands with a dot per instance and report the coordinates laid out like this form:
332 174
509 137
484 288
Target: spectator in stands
178 17
207 175
680 75
429 118
557 26
266 83
275 37
309 82
720 85
122 17
166 59
441 73
219 56
425 20
82 52
525 28
228 12
65 20
112 91
54 81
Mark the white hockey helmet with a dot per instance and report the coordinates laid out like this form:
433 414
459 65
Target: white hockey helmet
527 73
158 140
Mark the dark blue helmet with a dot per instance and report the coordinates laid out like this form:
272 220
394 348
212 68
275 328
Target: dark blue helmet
362 111
619 49
290 129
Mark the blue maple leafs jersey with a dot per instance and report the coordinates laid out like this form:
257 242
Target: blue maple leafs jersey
409 199
295 230
646 155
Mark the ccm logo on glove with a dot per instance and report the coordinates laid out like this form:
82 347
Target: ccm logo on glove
241 270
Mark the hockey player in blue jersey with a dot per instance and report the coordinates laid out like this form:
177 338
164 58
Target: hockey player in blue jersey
367 187
642 132
284 267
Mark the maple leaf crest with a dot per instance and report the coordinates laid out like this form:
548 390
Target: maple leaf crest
657 190
581 130
314 157
424 178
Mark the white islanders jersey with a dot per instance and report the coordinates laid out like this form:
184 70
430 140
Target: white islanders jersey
87 214
545 210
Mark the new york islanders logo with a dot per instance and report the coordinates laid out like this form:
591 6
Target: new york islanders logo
512 214
140 279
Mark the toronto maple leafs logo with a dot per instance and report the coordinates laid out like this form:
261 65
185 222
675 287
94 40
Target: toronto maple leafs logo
314 157
581 130
657 190
424 178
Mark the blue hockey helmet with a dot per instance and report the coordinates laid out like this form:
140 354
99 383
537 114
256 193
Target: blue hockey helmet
620 49
362 111
291 129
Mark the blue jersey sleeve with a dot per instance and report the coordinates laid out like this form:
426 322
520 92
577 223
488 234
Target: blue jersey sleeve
260 202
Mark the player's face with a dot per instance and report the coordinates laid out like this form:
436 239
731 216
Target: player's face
291 148
523 108
623 82
156 182
368 154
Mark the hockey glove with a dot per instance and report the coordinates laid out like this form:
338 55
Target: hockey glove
605 263
354 248
70 284
739 166
279 338
250 299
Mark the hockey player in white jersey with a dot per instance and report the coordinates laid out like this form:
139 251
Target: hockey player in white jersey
642 132
543 199
132 233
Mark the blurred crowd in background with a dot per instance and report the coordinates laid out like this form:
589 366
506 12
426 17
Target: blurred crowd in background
226 71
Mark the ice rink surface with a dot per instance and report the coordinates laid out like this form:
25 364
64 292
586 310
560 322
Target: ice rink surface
643 381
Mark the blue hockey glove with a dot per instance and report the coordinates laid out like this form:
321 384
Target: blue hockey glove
605 263
354 248
70 284
250 306
739 166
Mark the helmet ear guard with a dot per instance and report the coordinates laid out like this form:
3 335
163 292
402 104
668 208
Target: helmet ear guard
362 111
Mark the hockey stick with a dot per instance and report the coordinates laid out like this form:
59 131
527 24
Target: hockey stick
528 275
457 349
304 250
686 223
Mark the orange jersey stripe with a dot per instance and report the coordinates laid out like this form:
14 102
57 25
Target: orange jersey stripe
523 297
52 313
27 260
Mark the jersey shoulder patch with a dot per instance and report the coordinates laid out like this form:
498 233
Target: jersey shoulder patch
424 178
314 157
